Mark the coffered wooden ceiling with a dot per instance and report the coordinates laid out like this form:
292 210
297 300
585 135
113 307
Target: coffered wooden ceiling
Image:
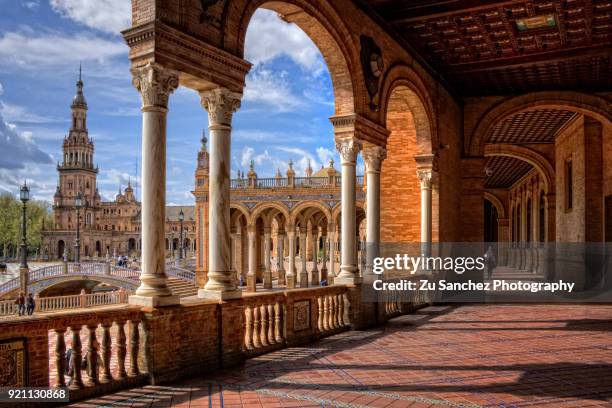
485 47
503 171
534 126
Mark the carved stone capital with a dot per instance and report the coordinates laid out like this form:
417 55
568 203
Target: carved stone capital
155 84
425 178
349 149
221 103
373 157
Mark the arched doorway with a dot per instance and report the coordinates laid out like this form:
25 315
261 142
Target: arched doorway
61 246
131 245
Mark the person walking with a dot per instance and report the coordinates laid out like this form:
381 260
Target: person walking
30 304
20 302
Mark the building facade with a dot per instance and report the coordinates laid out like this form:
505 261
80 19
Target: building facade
106 228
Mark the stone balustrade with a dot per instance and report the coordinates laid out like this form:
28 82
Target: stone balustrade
193 338
293 182
81 300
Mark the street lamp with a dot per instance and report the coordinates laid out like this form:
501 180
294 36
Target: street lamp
181 217
78 203
24 195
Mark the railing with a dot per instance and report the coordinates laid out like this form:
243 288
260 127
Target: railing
302 182
81 300
332 312
263 326
181 273
124 272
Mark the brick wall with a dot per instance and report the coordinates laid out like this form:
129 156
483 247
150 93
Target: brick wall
400 207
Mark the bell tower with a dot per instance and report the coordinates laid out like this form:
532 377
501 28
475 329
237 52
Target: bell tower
77 173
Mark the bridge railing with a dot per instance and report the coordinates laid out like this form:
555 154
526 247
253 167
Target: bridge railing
180 273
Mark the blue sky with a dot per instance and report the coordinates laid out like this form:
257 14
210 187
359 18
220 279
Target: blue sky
284 115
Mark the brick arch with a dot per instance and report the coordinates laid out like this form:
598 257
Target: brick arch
403 78
261 207
493 199
586 104
541 164
335 214
325 27
296 212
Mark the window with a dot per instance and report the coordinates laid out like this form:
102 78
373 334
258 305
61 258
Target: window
569 185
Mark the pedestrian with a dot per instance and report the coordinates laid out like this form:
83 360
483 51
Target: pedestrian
92 364
20 302
30 304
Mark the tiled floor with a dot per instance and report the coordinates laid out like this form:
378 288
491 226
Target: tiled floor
468 356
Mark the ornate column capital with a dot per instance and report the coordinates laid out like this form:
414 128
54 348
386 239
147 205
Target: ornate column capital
425 178
221 103
373 157
349 149
155 84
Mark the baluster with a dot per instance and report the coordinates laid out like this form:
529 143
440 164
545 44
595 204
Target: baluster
264 326
271 321
76 357
106 352
256 327
60 357
335 315
329 312
320 313
326 313
121 349
342 319
92 356
134 347
277 323
248 333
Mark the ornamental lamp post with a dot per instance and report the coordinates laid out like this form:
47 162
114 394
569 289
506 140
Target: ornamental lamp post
78 203
181 217
24 195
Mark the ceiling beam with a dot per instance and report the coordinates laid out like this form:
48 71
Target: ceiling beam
398 12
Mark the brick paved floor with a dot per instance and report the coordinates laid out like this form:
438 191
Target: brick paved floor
468 356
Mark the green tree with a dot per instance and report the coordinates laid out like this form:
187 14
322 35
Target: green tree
37 214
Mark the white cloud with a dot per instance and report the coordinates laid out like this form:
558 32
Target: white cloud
268 37
31 4
33 51
271 89
18 149
20 114
325 155
246 156
1 89
110 16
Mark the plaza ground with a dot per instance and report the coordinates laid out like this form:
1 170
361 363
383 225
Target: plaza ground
442 356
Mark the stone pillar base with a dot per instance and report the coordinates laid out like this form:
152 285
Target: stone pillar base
314 278
281 277
218 294
290 281
330 279
347 280
267 279
154 301
324 274
251 283
303 280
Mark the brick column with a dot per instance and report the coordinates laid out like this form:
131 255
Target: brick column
155 85
221 104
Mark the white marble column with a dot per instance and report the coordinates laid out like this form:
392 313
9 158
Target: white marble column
349 271
373 157
291 270
314 272
303 282
267 275
221 104
155 85
332 257
425 178
252 273
280 257
324 255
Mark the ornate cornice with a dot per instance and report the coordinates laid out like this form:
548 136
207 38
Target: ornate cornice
221 103
360 127
159 42
155 84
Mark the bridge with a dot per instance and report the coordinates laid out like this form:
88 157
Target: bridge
126 280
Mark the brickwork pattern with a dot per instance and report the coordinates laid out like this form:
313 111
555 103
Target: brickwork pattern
468 356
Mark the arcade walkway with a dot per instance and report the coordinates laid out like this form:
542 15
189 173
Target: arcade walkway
467 356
